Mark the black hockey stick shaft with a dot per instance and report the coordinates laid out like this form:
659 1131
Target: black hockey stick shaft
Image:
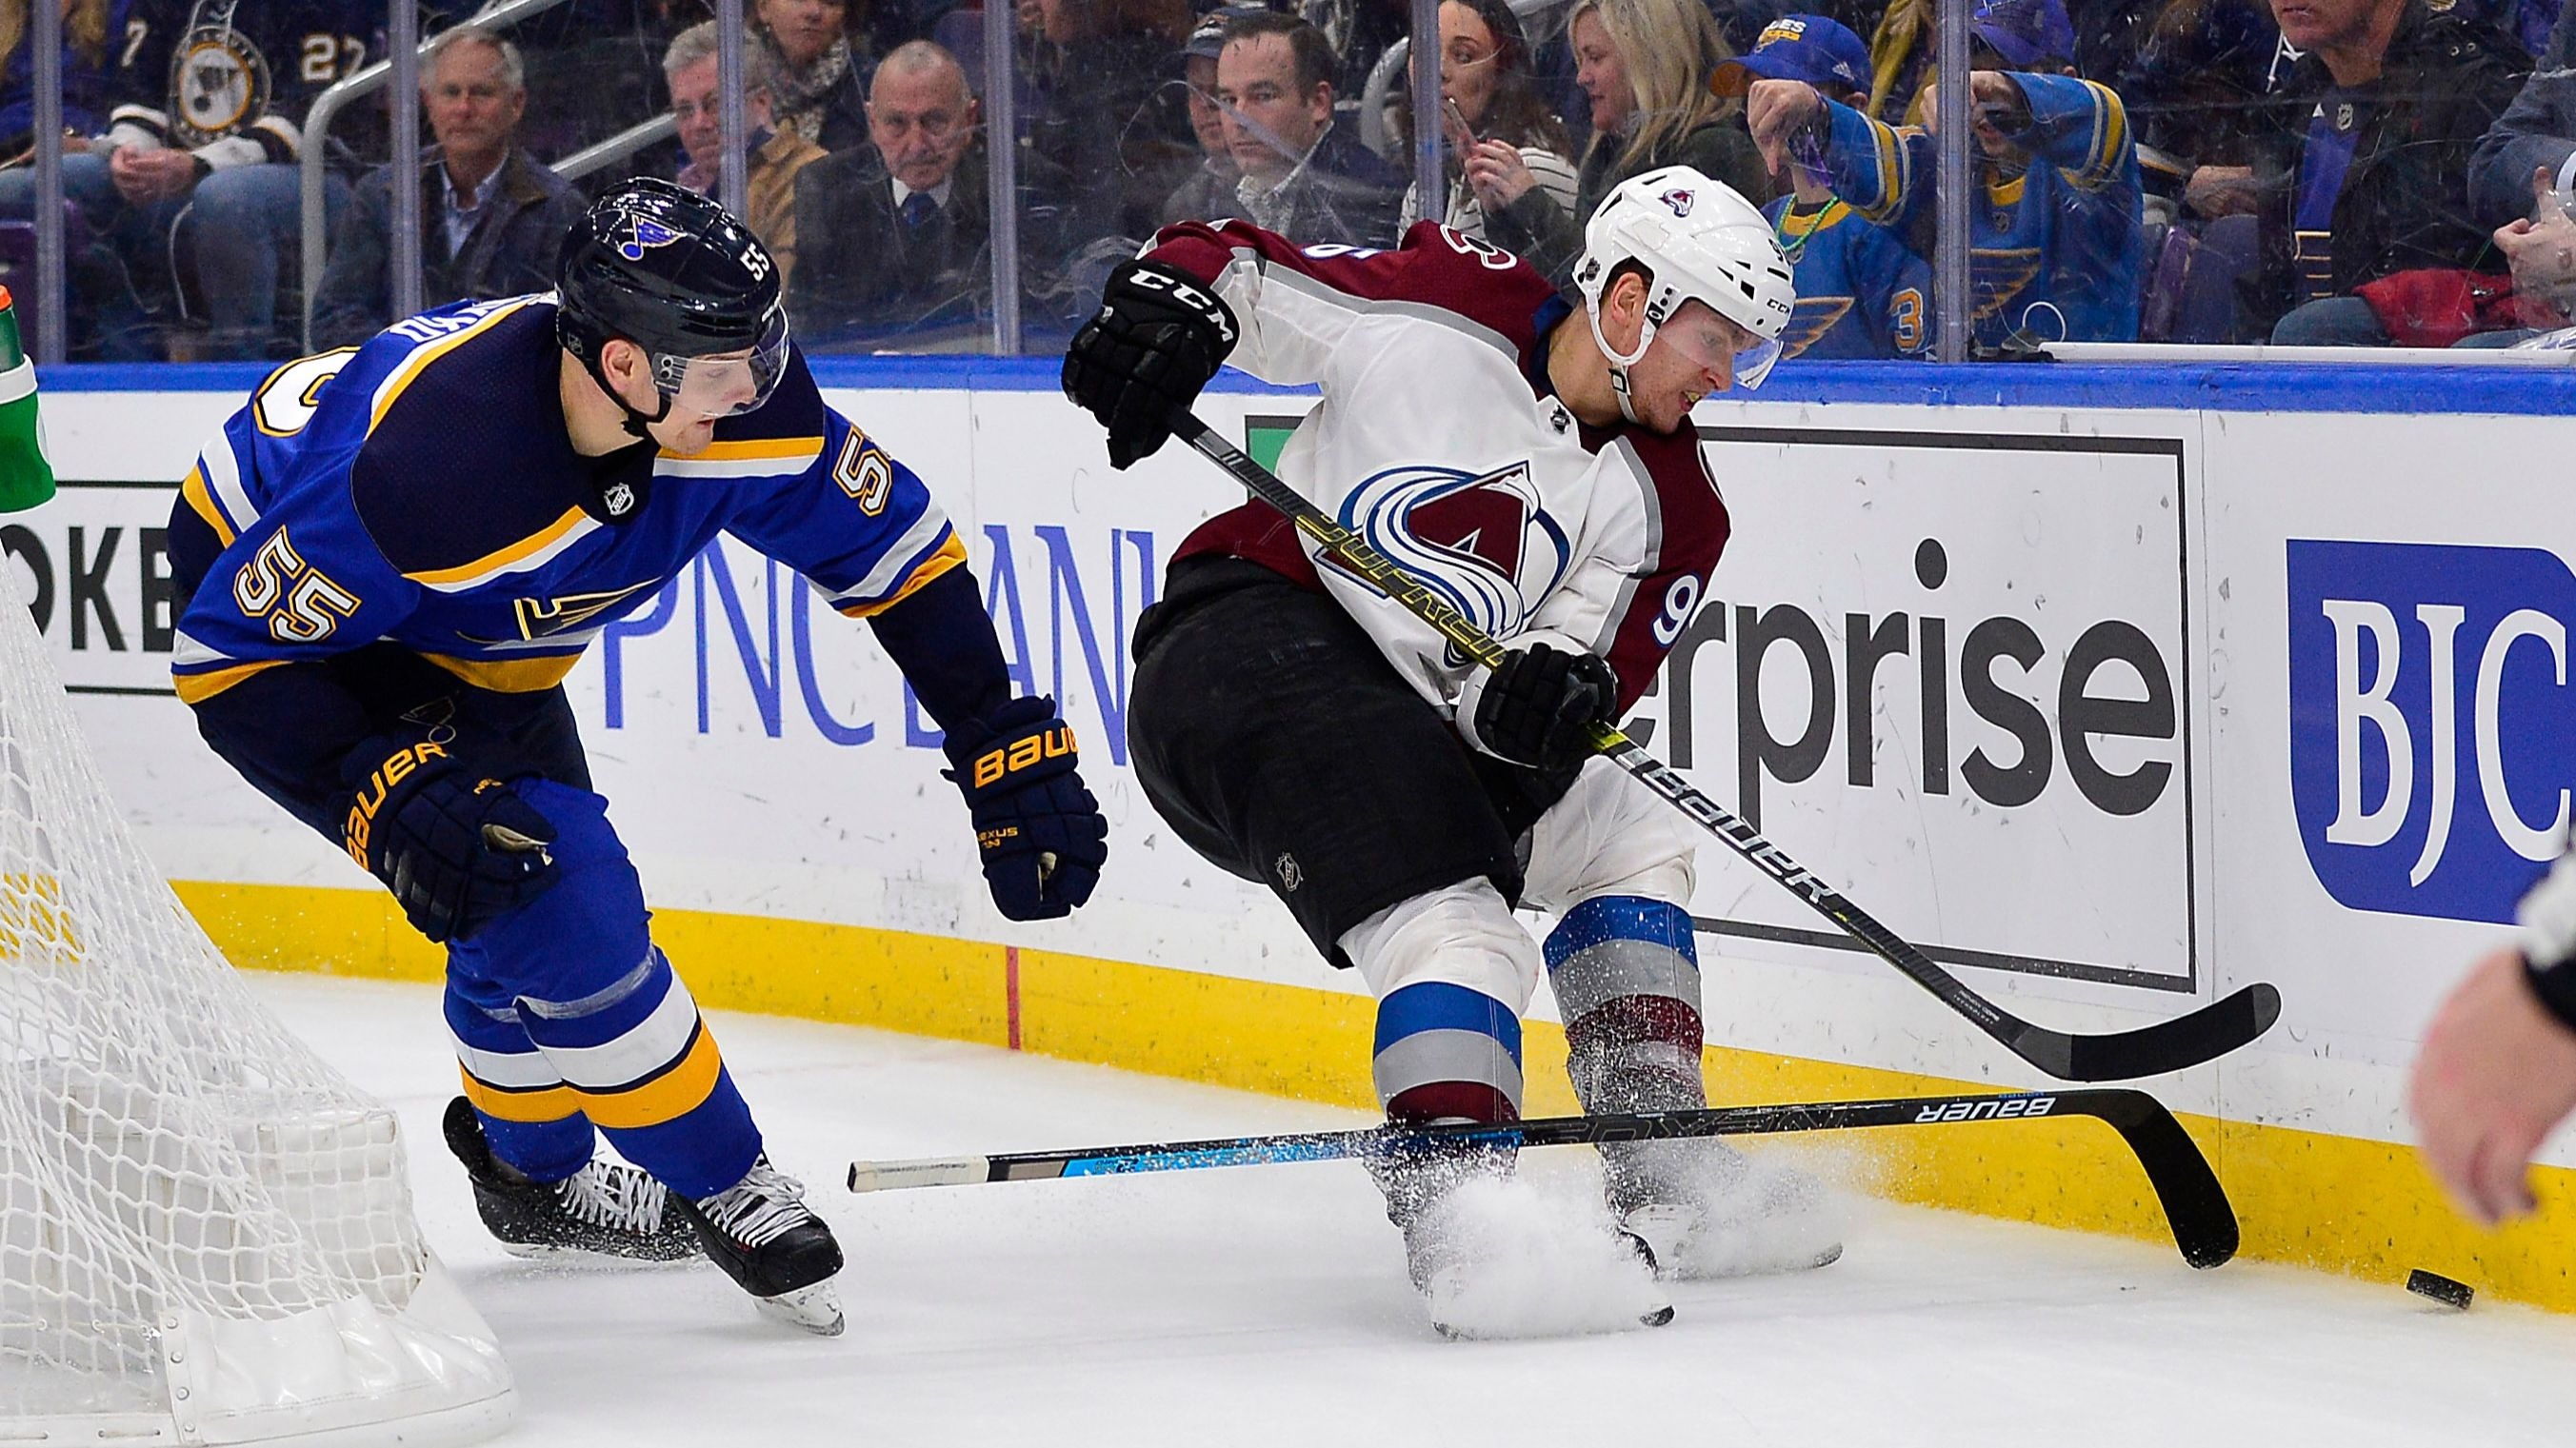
2187 1040
2195 1205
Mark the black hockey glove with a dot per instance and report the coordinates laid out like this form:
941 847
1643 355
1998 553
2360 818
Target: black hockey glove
1539 707
1160 335
458 850
1040 832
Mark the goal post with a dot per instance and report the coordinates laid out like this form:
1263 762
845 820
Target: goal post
206 1232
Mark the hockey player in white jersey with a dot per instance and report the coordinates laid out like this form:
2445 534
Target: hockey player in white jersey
1534 463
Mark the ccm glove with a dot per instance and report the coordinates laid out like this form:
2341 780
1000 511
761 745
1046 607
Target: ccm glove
1040 832
458 850
1160 335
1539 708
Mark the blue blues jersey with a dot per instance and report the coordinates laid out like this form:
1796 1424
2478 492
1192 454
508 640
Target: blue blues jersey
423 490
1862 292
2062 234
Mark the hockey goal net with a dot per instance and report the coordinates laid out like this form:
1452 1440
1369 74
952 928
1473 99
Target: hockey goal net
206 1233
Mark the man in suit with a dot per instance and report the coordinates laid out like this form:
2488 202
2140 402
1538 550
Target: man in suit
491 219
895 233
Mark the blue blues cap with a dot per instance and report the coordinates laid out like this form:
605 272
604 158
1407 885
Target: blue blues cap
1823 53
2027 34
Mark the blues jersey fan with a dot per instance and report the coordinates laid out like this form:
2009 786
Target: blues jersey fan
392 556
1536 465
2054 241
210 102
1861 291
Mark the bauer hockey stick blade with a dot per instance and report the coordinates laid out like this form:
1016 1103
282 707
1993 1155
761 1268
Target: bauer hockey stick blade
2187 1040
2195 1205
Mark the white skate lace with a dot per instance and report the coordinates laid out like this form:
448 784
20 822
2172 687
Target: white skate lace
621 1199
759 1208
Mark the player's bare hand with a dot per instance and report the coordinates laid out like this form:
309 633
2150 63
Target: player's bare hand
2497 1074
143 177
1775 110
1496 173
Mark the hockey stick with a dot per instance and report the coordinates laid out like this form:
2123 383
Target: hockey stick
2187 1040
2196 1206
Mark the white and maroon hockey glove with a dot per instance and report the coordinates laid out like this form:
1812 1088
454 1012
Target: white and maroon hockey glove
1159 336
1539 707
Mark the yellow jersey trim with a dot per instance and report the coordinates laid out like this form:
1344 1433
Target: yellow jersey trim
499 560
509 676
198 688
201 501
950 554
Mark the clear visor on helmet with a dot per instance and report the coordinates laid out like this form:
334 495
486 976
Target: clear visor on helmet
726 384
1714 344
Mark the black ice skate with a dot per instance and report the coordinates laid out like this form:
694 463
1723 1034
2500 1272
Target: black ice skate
1704 1210
607 1209
762 1234
1458 1248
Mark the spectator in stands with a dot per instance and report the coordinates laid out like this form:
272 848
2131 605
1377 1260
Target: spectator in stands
1304 176
897 231
197 140
491 219
2449 307
1645 65
2390 99
88 25
817 75
1498 126
2537 132
1862 292
1207 189
775 157
1112 120
2056 249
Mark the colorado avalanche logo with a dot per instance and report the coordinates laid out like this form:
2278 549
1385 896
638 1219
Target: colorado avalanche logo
1679 200
641 234
1483 542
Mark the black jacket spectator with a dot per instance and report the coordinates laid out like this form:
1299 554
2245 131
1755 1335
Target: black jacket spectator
863 271
1345 193
2405 197
510 251
2536 132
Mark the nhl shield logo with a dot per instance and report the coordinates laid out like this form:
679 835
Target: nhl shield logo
641 234
1680 200
618 499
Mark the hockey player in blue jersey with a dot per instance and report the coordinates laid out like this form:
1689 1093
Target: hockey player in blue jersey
2055 246
389 560
1861 291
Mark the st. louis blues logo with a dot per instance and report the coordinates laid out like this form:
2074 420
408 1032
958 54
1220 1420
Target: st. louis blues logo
1679 200
1482 541
641 234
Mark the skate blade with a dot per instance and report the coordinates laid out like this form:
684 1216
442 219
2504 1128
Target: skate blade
1680 1249
1658 1317
584 1257
816 1309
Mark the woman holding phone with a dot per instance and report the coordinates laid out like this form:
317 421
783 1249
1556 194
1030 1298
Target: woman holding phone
1492 115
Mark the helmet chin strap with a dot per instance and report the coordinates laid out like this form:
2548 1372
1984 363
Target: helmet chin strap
1620 362
637 423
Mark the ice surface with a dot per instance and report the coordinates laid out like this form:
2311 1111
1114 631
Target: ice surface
1268 1305
1535 1254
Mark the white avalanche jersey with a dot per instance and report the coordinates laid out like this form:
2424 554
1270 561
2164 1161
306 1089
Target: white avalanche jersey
1439 441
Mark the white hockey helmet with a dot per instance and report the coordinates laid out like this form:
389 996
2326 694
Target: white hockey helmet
1699 241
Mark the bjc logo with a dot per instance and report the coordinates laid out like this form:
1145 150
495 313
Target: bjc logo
2430 760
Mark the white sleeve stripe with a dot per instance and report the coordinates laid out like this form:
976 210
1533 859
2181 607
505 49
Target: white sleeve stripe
897 562
223 483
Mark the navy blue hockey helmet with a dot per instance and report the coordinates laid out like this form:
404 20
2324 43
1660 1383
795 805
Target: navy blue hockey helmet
681 277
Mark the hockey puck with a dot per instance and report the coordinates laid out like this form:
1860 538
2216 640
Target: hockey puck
2447 1291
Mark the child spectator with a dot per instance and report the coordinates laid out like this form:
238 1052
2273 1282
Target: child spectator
2055 245
1861 291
